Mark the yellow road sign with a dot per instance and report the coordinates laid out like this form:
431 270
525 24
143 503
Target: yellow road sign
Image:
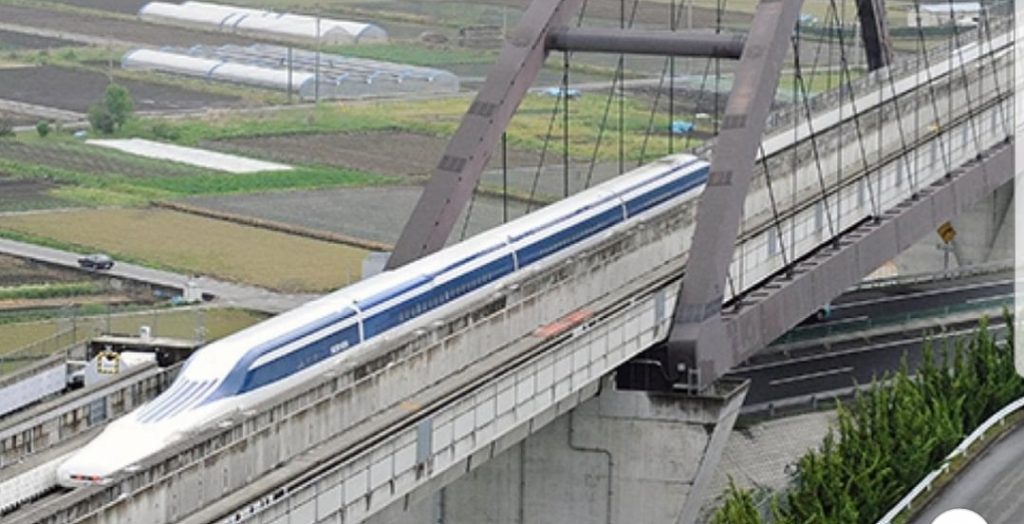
947 232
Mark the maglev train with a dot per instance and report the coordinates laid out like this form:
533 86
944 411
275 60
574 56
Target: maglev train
241 370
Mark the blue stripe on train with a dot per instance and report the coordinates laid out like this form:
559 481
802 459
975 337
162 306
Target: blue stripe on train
236 378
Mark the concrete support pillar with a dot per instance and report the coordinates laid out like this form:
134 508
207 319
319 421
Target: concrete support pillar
620 458
985 233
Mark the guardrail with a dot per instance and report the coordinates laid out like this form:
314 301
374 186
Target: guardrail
924 278
868 324
926 484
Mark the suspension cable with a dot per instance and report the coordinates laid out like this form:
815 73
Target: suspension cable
798 74
616 80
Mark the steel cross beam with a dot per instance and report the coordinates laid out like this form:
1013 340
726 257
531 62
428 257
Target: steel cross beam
697 338
875 33
466 156
662 43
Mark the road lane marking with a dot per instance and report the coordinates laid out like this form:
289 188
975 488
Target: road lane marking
811 376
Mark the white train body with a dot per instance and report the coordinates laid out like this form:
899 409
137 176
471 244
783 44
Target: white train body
255 364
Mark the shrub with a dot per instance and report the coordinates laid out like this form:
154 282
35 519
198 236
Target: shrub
43 128
6 127
54 290
164 131
101 120
115 109
893 434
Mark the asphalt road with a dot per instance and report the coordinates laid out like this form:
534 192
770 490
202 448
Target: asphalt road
991 486
226 293
912 299
795 374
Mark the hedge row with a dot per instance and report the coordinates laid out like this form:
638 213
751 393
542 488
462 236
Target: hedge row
892 434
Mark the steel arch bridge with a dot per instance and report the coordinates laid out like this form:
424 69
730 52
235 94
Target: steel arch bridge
705 341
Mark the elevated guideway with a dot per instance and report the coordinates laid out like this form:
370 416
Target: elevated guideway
412 413
34 441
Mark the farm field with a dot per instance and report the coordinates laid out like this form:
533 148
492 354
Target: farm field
10 40
12 118
37 338
33 289
129 7
22 195
19 272
191 244
353 212
396 153
59 169
74 155
118 30
528 131
77 89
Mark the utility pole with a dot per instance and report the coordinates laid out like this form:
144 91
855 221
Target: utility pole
316 76
289 75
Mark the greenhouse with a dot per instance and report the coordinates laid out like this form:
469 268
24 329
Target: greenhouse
267 66
301 29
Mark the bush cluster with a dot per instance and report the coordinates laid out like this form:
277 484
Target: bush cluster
52 290
113 111
893 434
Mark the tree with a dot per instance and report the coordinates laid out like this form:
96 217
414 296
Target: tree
100 119
893 433
119 103
43 128
115 109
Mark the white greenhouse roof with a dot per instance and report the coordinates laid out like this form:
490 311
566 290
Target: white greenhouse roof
214 69
263 23
955 7
267 66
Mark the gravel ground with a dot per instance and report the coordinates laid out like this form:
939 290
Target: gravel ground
76 90
376 213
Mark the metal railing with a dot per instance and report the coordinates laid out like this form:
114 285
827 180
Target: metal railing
925 278
925 485
871 324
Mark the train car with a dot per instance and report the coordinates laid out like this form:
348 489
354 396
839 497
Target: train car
248 367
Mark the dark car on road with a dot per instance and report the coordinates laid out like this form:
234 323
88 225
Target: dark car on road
96 261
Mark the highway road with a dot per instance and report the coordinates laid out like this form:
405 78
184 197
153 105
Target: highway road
914 298
992 485
820 367
226 293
